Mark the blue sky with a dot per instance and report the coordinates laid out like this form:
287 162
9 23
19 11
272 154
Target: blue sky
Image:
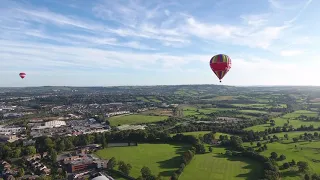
142 42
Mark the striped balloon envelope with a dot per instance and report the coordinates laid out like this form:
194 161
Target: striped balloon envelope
220 64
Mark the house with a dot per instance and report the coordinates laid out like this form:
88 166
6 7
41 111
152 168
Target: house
216 142
102 164
80 165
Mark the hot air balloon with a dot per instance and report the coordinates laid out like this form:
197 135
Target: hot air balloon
220 64
22 75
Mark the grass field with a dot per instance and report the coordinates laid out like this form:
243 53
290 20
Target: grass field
309 151
142 99
192 111
159 112
197 133
215 166
135 119
292 118
305 151
259 106
160 158
253 111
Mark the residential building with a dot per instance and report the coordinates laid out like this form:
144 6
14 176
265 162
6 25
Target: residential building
102 164
11 130
81 165
8 137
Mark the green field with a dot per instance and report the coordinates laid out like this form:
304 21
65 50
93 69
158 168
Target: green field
253 111
160 158
310 151
305 151
197 133
142 99
215 166
135 119
292 118
192 111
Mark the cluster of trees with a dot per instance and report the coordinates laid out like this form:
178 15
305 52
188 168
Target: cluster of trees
308 118
275 157
270 169
186 159
307 137
147 175
311 177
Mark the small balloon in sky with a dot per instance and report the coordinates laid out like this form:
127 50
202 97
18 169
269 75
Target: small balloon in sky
220 64
22 75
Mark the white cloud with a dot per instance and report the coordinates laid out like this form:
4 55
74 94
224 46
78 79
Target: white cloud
290 52
255 19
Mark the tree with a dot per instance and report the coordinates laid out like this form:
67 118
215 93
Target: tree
210 149
303 166
112 163
125 168
265 147
200 148
21 172
228 153
30 150
103 141
295 140
293 162
53 155
145 172
259 144
236 142
274 155
286 165
61 146
282 157
16 153
68 143
306 177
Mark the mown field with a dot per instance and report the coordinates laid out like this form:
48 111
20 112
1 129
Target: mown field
216 166
160 158
135 119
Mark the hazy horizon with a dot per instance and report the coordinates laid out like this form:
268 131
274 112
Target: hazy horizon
99 43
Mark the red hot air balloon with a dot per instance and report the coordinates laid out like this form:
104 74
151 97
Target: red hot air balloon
22 75
220 64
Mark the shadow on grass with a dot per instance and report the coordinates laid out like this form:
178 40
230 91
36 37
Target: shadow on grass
174 162
290 174
254 166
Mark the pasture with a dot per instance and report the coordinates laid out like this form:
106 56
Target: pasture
158 112
134 119
300 151
197 133
219 167
290 119
160 158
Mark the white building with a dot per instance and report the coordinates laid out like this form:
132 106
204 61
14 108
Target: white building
52 124
11 130
49 124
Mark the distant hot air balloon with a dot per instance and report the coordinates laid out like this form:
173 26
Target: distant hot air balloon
220 64
22 75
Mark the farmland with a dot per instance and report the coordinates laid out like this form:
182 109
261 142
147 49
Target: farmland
161 119
290 119
300 151
162 159
215 165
